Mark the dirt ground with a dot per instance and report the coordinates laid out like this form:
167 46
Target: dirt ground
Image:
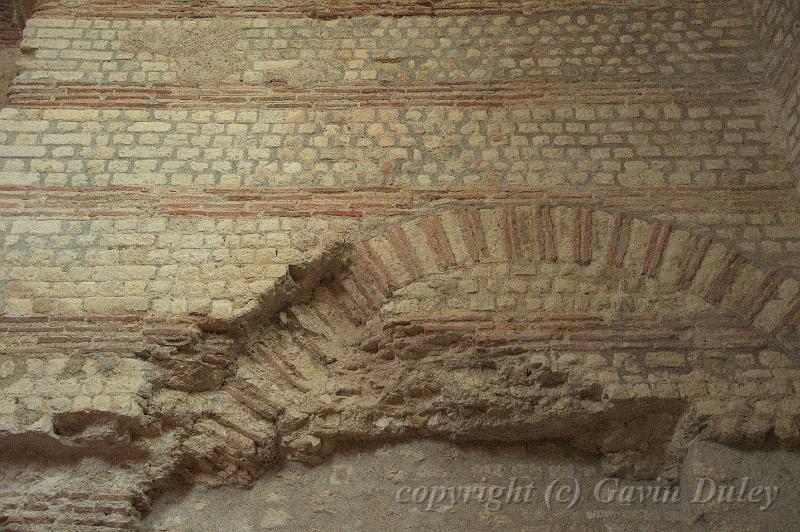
375 489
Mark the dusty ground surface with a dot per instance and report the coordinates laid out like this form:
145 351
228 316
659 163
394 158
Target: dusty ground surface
359 490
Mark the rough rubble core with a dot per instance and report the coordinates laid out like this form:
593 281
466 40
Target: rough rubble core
288 247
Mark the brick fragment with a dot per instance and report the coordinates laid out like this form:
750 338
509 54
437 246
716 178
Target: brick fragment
582 236
474 237
402 249
545 234
618 246
437 240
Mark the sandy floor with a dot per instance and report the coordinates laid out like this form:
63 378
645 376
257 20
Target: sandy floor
372 490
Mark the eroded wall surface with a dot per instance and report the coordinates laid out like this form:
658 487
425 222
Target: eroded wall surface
239 233
10 36
779 29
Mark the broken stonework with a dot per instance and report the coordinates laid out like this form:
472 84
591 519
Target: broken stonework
323 251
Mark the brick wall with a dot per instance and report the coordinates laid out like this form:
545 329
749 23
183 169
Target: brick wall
778 25
215 264
213 212
704 144
10 34
621 44
789 94
651 109
128 265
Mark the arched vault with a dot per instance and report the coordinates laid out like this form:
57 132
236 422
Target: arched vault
621 336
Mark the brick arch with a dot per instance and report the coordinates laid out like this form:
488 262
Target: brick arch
406 252
323 332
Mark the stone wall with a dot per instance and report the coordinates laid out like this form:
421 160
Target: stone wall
238 233
624 145
596 45
215 264
10 36
778 24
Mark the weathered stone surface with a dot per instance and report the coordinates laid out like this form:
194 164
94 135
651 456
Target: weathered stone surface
239 234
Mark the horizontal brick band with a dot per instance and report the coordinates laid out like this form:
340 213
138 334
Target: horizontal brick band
66 509
569 332
280 96
91 335
124 9
115 202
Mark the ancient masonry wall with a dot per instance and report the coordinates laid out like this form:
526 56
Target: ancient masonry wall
10 36
225 224
779 28
10 33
